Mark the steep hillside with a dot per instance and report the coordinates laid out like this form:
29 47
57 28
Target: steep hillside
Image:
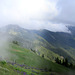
57 39
29 52
29 40
43 42
25 62
64 43
31 59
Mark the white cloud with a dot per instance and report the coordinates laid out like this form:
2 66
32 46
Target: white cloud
38 14
58 27
20 10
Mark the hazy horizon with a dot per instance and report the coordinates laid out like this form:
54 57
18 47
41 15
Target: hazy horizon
54 15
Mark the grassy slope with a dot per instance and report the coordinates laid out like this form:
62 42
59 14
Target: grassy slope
31 59
36 42
48 54
30 40
7 70
25 56
52 52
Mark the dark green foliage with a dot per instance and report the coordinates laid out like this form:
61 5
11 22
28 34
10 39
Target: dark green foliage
66 62
33 50
71 65
3 62
58 61
43 55
15 42
46 69
50 69
63 62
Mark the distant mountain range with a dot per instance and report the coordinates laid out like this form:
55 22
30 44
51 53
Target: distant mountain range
51 44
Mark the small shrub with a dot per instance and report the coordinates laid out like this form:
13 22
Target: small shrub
50 69
43 55
33 50
3 62
46 69
15 42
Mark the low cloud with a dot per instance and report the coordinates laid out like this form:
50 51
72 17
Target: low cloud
4 46
53 15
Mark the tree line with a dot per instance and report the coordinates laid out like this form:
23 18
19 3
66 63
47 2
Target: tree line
64 62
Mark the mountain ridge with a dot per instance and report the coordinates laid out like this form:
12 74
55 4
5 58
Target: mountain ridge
59 43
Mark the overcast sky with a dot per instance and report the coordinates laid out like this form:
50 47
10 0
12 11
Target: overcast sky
54 15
